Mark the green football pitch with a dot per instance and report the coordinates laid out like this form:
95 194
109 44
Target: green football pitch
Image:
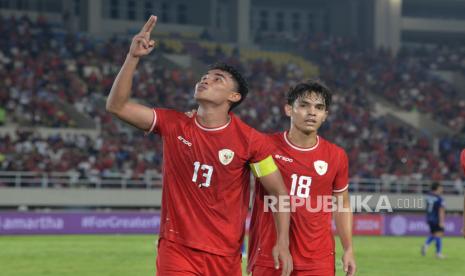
86 255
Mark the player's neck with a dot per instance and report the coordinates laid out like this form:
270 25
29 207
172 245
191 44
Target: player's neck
212 117
301 139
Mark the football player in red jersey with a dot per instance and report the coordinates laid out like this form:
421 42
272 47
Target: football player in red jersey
312 168
205 172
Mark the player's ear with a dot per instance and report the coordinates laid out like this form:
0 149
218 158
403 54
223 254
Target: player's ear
288 110
234 97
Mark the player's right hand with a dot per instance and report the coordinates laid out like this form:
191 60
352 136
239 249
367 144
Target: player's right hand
141 44
348 262
282 253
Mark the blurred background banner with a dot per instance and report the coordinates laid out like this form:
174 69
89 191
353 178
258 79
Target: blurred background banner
29 223
368 224
415 225
12 223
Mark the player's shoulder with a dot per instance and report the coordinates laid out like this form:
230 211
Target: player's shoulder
237 122
171 115
431 195
277 138
276 135
170 112
436 197
329 146
243 128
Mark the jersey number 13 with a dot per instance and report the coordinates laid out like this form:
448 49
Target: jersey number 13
206 171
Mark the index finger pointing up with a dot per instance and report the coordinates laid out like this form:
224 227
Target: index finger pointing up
148 27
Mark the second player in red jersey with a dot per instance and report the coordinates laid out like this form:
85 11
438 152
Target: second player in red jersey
313 170
309 173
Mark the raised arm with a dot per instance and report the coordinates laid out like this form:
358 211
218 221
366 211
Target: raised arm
118 102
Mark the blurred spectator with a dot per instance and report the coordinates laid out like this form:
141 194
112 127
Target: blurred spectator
2 116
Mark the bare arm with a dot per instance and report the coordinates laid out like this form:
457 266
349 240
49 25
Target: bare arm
274 185
343 219
118 102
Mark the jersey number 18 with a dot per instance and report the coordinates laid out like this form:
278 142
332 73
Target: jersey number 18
301 185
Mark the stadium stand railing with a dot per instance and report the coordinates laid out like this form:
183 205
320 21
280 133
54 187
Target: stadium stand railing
153 180
75 179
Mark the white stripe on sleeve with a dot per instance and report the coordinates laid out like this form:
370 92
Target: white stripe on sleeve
154 121
341 190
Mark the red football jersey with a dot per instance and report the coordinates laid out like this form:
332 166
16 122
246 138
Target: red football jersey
307 173
206 180
462 160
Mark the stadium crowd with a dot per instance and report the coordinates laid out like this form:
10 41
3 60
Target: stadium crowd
39 67
405 80
376 145
31 72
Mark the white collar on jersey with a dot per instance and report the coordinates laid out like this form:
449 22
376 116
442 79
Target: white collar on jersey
299 148
212 129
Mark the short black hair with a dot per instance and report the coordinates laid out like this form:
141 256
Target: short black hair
435 186
311 86
242 86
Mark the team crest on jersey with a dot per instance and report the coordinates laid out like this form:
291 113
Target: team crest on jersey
226 156
321 167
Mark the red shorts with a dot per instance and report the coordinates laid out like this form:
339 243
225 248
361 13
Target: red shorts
177 259
270 271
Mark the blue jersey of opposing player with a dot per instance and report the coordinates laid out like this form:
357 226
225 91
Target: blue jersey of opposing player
434 202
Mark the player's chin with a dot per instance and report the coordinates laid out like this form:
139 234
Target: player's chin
199 95
205 98
307 129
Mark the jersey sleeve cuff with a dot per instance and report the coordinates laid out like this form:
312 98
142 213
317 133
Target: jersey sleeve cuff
154 122
341 190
